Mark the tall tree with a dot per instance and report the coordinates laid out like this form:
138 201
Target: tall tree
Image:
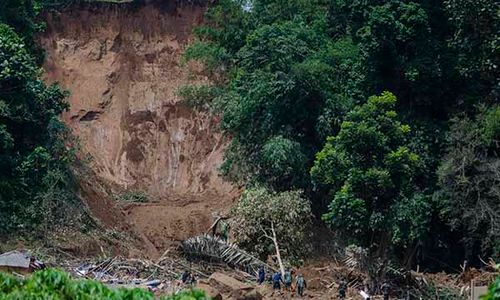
370 171
34 154
469 181
476 33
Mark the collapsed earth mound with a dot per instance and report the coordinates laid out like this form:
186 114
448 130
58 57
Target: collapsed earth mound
122 65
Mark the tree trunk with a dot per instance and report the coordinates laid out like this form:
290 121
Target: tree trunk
276 246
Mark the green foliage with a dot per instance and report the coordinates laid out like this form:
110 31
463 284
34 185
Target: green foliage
292 71
213 56
370 172
283 162
21 16
433 291
476 40
199 96
491 125
468 180
55 284
493 289
272 11
35 147
259 209
282 88
133 196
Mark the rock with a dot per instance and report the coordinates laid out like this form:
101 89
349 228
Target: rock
19 261
246 294
16 259
211 292
224 283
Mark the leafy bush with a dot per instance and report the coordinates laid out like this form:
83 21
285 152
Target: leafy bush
133 196
493 290
469 176
259 211
432 291
57 285
198 96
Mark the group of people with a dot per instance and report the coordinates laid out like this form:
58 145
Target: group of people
277 279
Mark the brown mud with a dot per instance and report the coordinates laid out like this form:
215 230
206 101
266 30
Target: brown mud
123 68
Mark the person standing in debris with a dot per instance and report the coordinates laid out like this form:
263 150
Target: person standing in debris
407 293
342 289
301 285
261 275
185 277
386 290
287 278
224 231
365 293
192 280
277 280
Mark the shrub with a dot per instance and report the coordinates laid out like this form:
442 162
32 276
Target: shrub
133 196
57 285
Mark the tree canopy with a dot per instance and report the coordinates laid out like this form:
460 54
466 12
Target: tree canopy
295 81
260 213
370 172
34 144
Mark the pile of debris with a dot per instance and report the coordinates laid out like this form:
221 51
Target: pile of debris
163 276
158 276
19 262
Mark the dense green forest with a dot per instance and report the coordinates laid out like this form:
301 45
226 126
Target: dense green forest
384 113
36 148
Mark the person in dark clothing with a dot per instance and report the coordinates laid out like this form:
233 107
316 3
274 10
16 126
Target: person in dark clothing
386 290
342 289
301 285
287 279
185 276
277 281
192 280
261 275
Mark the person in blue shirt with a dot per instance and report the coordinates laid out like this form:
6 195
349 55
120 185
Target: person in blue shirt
287 279
277 281
261 275
301 285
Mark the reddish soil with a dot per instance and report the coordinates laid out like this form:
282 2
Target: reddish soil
122 65
169 221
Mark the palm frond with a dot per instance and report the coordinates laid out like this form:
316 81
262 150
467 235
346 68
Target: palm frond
210 247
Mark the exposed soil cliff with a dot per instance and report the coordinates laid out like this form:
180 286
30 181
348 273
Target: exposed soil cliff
122 67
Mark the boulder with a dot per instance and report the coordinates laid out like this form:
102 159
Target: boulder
211 292
246 294
224 283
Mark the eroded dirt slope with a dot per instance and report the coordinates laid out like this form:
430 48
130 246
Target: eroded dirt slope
122 66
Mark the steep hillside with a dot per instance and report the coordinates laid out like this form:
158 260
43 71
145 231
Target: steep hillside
122 66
